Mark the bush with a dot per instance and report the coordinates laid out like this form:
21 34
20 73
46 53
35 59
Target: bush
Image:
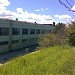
51 40
47 40
71 32
72 39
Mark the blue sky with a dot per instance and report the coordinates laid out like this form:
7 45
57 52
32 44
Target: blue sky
41 11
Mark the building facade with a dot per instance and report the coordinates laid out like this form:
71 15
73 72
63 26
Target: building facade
17 34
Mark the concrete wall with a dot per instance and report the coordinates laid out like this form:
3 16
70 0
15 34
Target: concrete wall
17 24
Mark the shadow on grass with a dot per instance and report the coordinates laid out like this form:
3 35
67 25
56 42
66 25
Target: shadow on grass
5 57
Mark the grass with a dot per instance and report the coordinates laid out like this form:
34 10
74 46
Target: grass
56 60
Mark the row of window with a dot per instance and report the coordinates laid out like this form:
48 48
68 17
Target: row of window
16 31
4 43
17 41
4 31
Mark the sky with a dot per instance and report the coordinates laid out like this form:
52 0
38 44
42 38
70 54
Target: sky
40 11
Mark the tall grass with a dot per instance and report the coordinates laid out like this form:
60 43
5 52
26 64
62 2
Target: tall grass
56 60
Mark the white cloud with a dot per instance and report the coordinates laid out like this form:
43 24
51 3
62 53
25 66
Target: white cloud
22 14
4 2
2 7
63 16
37 10
42 9
19 10
73 8
26 16
4 13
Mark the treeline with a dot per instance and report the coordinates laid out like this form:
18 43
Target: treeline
61 35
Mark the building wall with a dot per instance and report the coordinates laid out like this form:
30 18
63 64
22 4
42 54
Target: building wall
13 42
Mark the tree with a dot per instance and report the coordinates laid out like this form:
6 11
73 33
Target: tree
60 29
61 32
71 28
72 39
56 37
71 31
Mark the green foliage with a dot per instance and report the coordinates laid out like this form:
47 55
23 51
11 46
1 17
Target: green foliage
59 28
71 28
47 40
52 40
72 39
71 31
58 60
61 35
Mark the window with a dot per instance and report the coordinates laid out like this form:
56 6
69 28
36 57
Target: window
32 31
4 31
37 31
24 31
4 43
15 31
15 41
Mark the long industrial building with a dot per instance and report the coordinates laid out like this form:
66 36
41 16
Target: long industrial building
16 34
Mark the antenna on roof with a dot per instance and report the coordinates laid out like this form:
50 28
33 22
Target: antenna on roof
16 19
54 23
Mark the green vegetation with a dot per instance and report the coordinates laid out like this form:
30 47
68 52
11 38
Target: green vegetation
57 37
55 57
72 39
71 32
47 40
61 35
57 60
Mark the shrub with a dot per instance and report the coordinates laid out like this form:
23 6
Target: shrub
72 39
51 40
71 32
46 40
